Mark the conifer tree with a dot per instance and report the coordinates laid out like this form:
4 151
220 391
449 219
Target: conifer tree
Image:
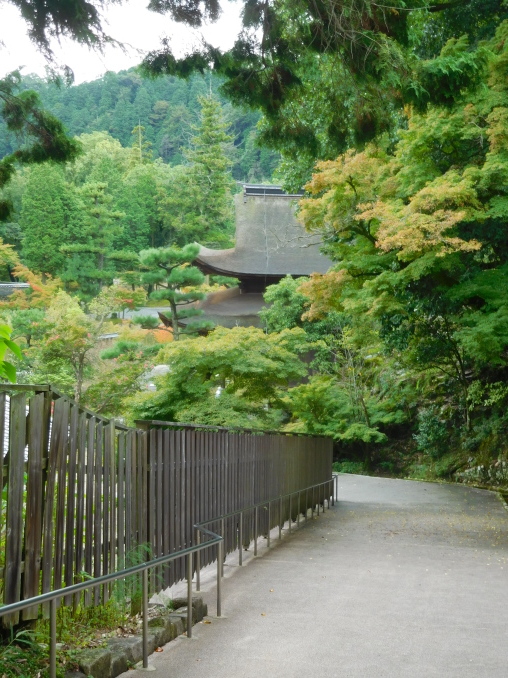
95 260
49 218
170 270
141 148
200 205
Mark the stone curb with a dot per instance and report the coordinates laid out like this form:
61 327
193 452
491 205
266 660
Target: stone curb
119 654
503 496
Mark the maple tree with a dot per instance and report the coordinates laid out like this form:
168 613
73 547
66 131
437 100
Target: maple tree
418 234
232 377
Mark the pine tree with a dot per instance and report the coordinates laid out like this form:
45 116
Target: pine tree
170 270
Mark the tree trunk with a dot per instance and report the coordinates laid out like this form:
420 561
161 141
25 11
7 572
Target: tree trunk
174 320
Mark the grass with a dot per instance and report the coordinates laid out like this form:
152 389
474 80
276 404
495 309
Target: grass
26 654
356 467
24 657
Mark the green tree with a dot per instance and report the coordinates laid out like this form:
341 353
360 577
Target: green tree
200 207
94 261
49 218
419 239
169 269
120 375
286 305
143 188
63 356
8 260
141 148
229 378
43 136
352 394
7 369
327 77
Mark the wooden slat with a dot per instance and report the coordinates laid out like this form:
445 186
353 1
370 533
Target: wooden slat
70 523
80 500
106 517
3 414
113 541
49 498
179 503
89 504
130 499
33 519
191 439
172 502
14 517
166 505
137 475
62 465
151 469
143 498
97 518
121 518
157 501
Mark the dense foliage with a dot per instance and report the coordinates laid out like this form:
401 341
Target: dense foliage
418 231
167 108
400 351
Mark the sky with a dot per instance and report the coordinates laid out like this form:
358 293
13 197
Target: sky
130 23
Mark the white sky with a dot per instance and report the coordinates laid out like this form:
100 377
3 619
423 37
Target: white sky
130 23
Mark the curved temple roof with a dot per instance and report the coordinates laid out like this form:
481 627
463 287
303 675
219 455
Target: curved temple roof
269 240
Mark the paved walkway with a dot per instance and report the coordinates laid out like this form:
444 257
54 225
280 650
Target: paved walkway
400 580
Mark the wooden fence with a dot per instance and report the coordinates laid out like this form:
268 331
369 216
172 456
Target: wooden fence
83 495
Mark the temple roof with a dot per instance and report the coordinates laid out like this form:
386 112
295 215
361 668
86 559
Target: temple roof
269 240
228 308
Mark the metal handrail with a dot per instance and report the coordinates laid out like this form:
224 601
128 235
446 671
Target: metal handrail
51 597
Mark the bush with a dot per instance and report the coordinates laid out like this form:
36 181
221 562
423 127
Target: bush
346 466
147 322
432 436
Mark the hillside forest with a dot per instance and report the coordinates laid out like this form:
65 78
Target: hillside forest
399 352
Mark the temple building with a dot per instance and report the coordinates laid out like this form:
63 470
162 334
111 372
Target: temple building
270 244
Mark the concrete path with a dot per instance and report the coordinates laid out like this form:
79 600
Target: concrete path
400 580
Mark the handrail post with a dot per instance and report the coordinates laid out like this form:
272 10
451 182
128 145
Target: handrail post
219 576
256 530
306 504
280 517
323 489
290 519
318 499
145 618
223 550
52 638
198 561
189 595
269 524
298 514
240 539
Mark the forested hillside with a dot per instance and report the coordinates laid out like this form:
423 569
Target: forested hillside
166 107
